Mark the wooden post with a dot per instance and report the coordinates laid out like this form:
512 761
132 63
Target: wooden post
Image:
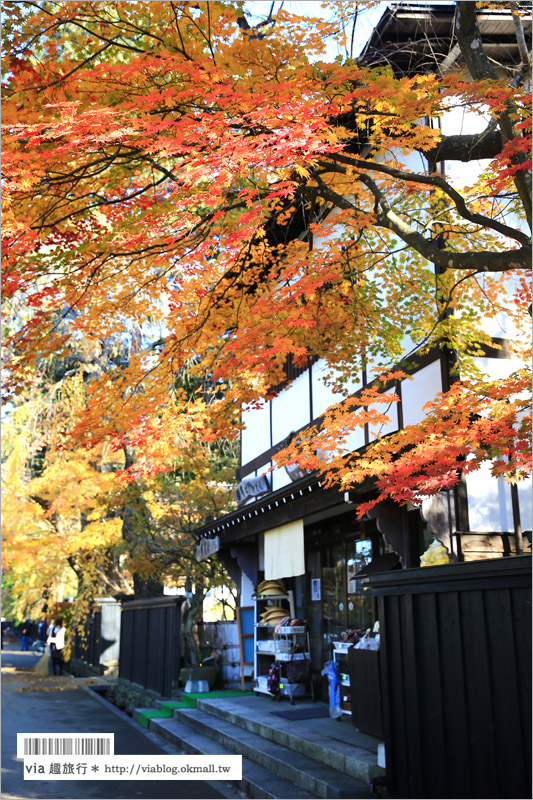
516 519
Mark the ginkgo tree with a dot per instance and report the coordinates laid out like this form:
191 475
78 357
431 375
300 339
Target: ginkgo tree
172 166
72 525
58 540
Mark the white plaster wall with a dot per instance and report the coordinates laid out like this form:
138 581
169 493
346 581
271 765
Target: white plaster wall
255 438
247 589
525 495
416 393
489 501
407 342
354 440
460 174
497 368
323 395
322 240
291 408
374 431
414 161
463 121
501 368
502 325
280 479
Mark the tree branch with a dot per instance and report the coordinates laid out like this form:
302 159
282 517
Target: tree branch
466 147
444 186
471 43
481 261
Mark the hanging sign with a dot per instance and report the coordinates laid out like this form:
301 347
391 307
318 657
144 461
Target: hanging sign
206 548
250 488
295 472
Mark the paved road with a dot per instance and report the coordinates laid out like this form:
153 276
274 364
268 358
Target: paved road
33 704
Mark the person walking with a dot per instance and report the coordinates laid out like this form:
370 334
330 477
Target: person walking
56 640
42 630
25 635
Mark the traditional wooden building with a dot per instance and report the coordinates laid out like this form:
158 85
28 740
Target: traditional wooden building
287 525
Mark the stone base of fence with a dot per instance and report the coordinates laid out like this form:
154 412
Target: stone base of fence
127 696
80 669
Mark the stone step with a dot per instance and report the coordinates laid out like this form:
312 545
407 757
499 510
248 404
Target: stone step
257 782
336 751
303 771
140 714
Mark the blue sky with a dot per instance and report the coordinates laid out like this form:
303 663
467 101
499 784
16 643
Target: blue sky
366 21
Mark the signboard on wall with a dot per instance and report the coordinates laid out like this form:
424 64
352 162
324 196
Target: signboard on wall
207 547
250 488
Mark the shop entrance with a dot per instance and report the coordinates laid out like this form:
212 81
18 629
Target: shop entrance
339 601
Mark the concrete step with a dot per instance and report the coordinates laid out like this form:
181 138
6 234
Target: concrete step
257 782
313 776
336 750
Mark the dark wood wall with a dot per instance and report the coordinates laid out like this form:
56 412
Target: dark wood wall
87 644
99 643
456 679
150 643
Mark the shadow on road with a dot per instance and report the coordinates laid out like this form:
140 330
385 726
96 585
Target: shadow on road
47 704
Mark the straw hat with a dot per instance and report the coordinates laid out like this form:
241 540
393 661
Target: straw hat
269 610
275 615
271 591
273 622
273 612
271 588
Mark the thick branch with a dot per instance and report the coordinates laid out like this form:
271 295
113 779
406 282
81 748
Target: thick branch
520 37
75 568
478 63
41 501
444 186
478 261
466 147
254 31
459 147
481 261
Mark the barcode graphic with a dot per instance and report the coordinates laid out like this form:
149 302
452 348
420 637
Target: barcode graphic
65 745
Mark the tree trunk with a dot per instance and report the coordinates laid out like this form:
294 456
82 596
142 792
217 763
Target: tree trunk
191 612
142 587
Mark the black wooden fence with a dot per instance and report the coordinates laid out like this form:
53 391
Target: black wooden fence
150 643
87 643
456 679
98 645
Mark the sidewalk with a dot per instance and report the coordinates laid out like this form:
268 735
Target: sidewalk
35 704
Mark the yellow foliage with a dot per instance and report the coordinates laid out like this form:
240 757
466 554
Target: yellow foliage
435 554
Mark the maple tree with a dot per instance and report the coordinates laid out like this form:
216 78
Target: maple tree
223 193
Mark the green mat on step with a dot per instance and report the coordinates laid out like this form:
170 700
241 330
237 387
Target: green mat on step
145 716
189 700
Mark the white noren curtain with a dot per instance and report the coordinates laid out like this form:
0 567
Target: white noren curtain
284 551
